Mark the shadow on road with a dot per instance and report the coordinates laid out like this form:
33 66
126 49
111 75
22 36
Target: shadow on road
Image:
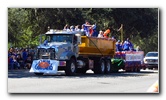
27 74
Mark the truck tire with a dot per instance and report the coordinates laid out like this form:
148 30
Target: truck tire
71 67
108 66
39 74
99 68
85 68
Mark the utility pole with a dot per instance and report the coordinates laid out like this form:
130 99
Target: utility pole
121 32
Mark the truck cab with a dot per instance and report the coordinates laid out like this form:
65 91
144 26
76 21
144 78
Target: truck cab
60 49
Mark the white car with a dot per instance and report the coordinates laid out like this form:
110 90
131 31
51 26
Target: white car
151 60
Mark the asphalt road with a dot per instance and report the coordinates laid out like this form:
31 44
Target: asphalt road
21 81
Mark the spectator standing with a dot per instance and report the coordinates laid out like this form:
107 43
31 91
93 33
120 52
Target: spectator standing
10 52
10 62
24 55
20 61
13 64
29 60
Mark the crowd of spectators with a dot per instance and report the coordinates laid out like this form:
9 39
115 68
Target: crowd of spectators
20 58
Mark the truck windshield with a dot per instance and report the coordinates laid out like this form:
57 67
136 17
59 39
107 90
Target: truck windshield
59 38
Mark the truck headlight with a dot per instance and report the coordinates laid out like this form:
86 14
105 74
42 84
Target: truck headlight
145 60
63 57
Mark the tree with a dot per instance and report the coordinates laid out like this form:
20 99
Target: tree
139 24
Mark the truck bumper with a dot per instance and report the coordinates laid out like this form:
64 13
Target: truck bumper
151 66
45 66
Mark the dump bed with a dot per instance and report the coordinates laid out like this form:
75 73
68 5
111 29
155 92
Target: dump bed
97 46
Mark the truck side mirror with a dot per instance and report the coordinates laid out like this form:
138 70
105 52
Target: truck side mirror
78 38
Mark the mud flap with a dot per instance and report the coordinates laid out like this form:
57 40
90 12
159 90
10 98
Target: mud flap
44 66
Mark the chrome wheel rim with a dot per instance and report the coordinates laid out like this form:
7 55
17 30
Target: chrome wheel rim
72 67
108 66
102 66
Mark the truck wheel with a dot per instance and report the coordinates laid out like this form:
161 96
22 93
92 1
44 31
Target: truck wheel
39 74
108 67
99 69
71 67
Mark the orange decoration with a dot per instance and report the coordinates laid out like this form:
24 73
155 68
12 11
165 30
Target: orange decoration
44 64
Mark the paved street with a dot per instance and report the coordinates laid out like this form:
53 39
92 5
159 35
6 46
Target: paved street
21 81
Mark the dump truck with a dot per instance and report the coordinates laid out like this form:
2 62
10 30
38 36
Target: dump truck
73 52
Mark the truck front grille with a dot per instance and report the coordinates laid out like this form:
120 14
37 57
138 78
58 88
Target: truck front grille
46 53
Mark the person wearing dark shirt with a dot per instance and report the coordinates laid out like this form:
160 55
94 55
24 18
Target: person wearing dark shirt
127 45
20 61
13 62
118 46
29 61
24 55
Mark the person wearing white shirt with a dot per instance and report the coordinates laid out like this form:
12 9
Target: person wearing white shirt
100 35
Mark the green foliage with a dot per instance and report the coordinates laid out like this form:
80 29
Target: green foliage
140 24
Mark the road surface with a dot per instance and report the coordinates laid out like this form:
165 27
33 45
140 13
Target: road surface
21 81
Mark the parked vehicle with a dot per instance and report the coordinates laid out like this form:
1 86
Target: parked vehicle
151 60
